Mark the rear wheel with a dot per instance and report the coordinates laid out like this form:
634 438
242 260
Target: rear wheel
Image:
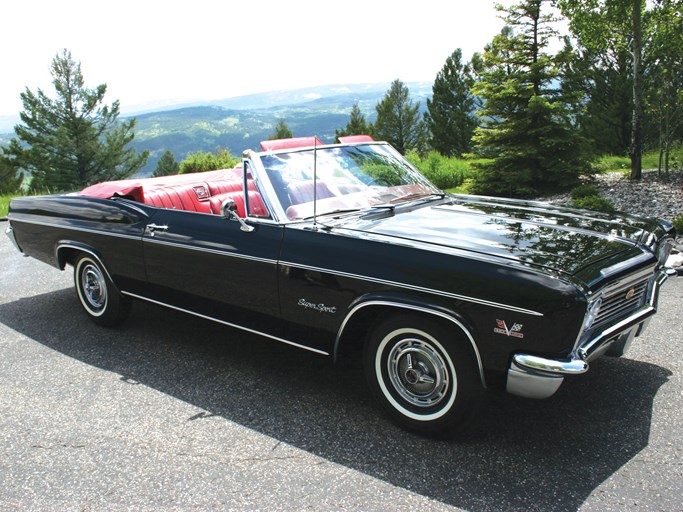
100 299
423 374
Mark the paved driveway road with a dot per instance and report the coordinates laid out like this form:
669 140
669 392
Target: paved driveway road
169 412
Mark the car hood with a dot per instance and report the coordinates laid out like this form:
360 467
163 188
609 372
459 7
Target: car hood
562 239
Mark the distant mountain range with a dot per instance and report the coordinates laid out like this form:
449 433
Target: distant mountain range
241 123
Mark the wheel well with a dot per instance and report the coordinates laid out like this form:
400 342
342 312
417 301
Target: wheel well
67 256
361 320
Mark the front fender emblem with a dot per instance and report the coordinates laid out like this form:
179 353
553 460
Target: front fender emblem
515 331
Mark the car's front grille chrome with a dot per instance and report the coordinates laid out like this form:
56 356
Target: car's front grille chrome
622 299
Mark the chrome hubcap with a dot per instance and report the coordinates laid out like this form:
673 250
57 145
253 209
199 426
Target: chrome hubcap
418 372
94 287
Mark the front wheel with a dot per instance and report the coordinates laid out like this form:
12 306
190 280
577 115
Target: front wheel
100 299
423 374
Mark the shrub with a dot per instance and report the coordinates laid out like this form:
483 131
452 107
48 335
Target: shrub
444 172
584 191
594 202
678 224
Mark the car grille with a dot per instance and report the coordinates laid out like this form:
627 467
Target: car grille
621 299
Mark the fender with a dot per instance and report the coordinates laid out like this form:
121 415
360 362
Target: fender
60 256
443 313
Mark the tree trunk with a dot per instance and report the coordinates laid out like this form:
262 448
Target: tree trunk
636 126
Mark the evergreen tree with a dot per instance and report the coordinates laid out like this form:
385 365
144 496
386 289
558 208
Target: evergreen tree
664 55
167 165
399 121
609 33
526 127
449 115
356 124
282 131
73 140
10 180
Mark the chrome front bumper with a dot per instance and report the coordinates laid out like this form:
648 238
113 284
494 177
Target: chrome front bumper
538 377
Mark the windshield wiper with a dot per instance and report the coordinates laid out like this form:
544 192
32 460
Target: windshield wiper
339 212
416 195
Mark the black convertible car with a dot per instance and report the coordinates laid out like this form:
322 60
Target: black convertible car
333 248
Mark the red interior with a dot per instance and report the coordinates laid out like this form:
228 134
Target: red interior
198 192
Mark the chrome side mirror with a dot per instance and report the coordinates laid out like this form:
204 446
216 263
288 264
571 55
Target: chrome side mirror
229 211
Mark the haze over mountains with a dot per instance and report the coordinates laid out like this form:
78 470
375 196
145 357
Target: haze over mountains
242 122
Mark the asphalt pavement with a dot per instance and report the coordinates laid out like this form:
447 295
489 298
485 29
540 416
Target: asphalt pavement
171 412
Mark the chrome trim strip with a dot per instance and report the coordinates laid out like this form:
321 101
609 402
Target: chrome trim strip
204 249
416 288
76 228
414 308
10 234
281 340
268 194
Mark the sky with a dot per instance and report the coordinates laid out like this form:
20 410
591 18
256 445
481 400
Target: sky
152 52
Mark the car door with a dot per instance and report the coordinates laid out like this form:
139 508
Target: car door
206 264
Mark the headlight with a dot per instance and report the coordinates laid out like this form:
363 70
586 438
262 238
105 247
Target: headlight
664 250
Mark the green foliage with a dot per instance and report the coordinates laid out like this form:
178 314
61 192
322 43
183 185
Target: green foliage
398 120
443 171
4 204
167 165
356 124
610 37
611 163
201 161
585 190
449 114
282 131
10 180
73 140
527 130
664 98
593 202
678 224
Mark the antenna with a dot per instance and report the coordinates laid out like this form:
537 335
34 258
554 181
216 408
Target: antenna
315 181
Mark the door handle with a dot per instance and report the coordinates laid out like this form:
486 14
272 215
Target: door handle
152 228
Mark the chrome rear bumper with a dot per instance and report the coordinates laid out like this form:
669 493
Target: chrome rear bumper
532 376
10 234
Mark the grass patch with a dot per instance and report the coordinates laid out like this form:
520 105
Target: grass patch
4 205
612 163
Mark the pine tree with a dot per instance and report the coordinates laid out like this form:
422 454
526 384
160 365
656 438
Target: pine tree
399 121
10 180
167 165
282 131
526 127
73 140
356 125
450 112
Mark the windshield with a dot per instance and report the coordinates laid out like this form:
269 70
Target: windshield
347 178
